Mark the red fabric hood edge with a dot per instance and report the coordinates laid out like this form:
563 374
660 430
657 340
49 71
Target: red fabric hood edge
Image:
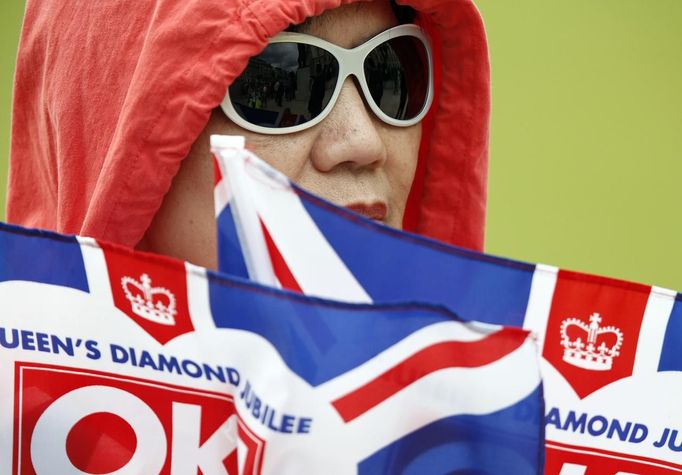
93 152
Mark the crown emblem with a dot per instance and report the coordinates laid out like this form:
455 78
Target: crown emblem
589 350
155 304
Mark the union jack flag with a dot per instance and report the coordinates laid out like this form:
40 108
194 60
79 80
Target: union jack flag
116 360
611 363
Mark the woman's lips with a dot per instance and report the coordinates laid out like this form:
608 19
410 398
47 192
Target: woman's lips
375 210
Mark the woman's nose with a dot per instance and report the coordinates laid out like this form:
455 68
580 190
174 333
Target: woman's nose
349 135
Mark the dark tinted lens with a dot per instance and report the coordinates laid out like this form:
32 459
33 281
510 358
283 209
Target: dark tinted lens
397 75
286 85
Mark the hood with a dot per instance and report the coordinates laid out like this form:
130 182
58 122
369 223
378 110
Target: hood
109 97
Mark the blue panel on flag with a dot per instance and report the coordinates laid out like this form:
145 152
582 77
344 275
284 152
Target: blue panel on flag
395 266
671 357
39 256
230 257
317 339
502 442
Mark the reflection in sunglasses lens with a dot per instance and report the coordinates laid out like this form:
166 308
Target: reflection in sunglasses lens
397 76
286 85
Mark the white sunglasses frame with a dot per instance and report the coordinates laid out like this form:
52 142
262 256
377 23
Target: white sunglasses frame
351 62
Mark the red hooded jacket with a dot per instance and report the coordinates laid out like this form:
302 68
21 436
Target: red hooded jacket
110 95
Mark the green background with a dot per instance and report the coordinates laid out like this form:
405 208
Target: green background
586 133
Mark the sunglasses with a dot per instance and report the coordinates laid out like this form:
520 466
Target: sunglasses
295 81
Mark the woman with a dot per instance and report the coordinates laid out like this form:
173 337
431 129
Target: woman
114 103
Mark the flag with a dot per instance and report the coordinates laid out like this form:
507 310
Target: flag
114 361
611 363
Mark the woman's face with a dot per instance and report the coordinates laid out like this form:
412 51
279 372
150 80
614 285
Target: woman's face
351 158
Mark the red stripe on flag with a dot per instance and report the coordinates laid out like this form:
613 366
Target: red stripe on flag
217 176
606 459
279 265
449 354
255 446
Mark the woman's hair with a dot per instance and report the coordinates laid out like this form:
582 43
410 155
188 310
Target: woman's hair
403 13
